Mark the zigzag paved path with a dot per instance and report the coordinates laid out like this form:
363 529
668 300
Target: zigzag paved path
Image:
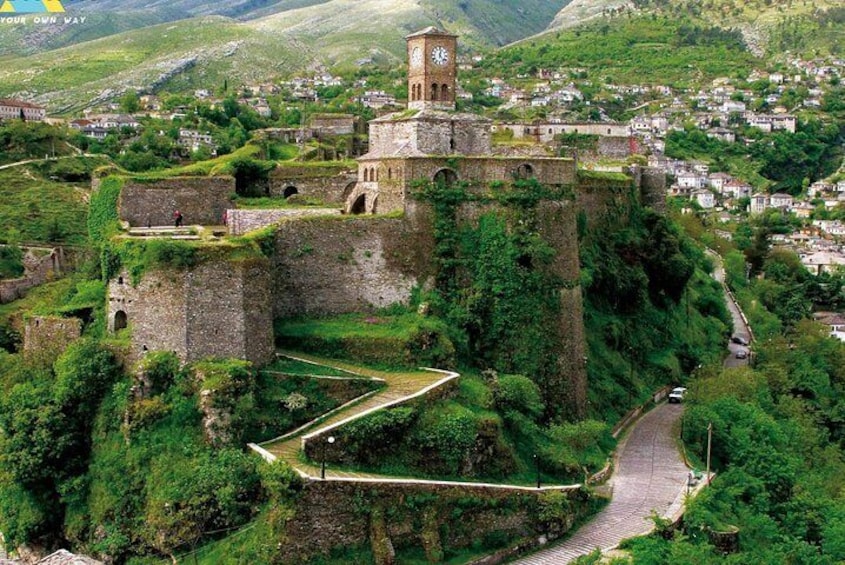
400 386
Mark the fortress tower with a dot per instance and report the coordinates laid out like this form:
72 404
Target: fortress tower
432 69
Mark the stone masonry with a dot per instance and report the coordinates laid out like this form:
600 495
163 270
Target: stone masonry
216 309
202 200
243 221
419 515
46 337
323 184
41 265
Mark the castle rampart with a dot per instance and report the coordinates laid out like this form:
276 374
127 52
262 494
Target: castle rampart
215 309
201 200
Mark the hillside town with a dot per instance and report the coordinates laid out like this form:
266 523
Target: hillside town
537 109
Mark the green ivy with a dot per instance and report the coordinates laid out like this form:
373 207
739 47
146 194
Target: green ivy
103 220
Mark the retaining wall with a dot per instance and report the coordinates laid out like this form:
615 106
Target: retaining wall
201 200
39 269
390 515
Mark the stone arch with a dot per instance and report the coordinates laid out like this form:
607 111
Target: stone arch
446 177
434 92
608 131
348 190
360 205
120 321
290 191
444 92
375 205
524 171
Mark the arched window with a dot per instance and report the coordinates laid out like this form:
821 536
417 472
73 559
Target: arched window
290 191
434 92
366 175
444 92
445 177
120 320
524 171
376 174
608 131
389 173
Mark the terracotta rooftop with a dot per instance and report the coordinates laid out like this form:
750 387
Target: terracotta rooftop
19 103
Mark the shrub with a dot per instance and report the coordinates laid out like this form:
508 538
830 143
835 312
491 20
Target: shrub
160 369
446 437
519 393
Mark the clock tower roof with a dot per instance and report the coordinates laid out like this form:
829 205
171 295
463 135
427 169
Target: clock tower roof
431 30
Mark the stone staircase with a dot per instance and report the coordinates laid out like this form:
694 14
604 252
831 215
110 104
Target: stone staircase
400 386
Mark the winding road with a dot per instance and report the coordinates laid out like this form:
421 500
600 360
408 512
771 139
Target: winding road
650 476
650 472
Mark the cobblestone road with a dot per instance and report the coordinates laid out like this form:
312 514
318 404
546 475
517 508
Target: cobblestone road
650 475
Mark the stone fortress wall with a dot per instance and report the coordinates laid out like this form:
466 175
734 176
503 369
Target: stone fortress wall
46 337
201 200
326 266
391 515
218 308
41 265
321 184
330 265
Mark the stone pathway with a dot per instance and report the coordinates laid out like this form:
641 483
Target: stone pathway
650 476
400 387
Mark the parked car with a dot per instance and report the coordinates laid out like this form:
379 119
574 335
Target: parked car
742 354
740 340
677 395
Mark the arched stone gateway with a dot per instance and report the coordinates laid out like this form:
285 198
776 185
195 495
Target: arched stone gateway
446 177
290 191
360 205
120 321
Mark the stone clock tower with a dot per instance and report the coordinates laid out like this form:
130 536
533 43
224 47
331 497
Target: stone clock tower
432 69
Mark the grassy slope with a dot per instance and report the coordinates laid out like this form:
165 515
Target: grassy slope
763 22
633 51
137 59
34 205
336 32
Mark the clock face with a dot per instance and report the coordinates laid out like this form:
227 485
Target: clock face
439 56
416 57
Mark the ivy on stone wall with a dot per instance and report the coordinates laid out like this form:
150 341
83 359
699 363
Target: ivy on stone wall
103 220
494 281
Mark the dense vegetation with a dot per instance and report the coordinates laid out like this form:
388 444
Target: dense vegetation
778 451
652 311
638 50
780 162
777 445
